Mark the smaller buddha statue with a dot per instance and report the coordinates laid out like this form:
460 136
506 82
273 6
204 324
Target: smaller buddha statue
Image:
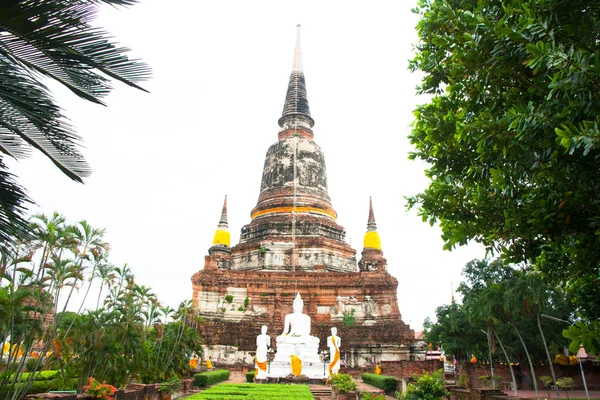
263 342
334 342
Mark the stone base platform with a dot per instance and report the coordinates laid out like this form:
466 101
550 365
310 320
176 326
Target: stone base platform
312 371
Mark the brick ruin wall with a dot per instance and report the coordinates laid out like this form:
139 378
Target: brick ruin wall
235 304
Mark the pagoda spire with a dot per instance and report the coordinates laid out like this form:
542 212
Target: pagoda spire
296 112
223 220
372 240
371 225
372 256
222 236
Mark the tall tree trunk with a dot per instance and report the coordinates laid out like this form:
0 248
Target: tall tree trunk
512 372
548 355
535 385
490 353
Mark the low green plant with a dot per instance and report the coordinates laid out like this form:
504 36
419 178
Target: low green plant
211 377
547 382
349 318
426 387
496 381
343 383
253 391
565 383
169 386
486 380
384 382
246 302
31 364
250 376
229 298
462 380
371 396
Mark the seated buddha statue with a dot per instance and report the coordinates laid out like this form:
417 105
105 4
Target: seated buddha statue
296 326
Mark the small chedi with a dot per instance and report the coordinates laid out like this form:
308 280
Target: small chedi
294 250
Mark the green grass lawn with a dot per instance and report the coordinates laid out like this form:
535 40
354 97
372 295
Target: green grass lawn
253 391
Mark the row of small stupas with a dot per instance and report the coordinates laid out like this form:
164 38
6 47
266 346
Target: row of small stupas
293 244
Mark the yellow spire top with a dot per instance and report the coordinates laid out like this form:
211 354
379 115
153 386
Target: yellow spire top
222 234
372 240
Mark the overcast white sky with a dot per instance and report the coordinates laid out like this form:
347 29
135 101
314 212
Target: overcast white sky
163 161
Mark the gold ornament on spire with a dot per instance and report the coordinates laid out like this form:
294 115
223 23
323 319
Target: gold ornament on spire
222 236
372 240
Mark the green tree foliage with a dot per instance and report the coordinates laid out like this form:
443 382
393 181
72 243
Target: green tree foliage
499 298
511 133
453 332
131 336
50 40
426 387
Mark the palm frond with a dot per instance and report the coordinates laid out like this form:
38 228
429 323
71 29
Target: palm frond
52 39
13 200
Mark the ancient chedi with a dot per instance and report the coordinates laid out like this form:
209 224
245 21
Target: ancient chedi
293 244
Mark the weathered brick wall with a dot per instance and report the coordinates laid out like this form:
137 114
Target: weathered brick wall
406 369
474 371
272 294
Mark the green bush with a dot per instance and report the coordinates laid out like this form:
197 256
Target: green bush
31 364
428 386
209 378
40 376
343 383
36 387
384 382
250 376
370 396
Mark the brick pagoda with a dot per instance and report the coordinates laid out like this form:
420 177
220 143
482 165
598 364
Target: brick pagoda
293 244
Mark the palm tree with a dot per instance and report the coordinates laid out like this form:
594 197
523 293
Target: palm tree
50 39
486 306
516 295
106 273
91 248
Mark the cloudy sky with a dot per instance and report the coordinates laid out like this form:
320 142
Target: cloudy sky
163 161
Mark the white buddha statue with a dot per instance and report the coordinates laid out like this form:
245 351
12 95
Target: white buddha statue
334 342
296 339
263 342
296 325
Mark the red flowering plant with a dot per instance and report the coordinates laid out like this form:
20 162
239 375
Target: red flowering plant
99 390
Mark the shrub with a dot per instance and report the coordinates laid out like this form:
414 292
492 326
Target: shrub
370 396
384 382
229 298
462 380
31 364
209 378
565 383
343 383
349 318
250 376
428 386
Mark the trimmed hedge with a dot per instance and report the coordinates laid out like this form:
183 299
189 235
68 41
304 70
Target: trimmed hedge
252 391
44 381
250 376
211 377
385 382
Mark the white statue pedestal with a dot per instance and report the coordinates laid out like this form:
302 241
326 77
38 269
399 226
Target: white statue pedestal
307 349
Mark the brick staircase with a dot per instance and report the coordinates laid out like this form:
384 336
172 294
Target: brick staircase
321 393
